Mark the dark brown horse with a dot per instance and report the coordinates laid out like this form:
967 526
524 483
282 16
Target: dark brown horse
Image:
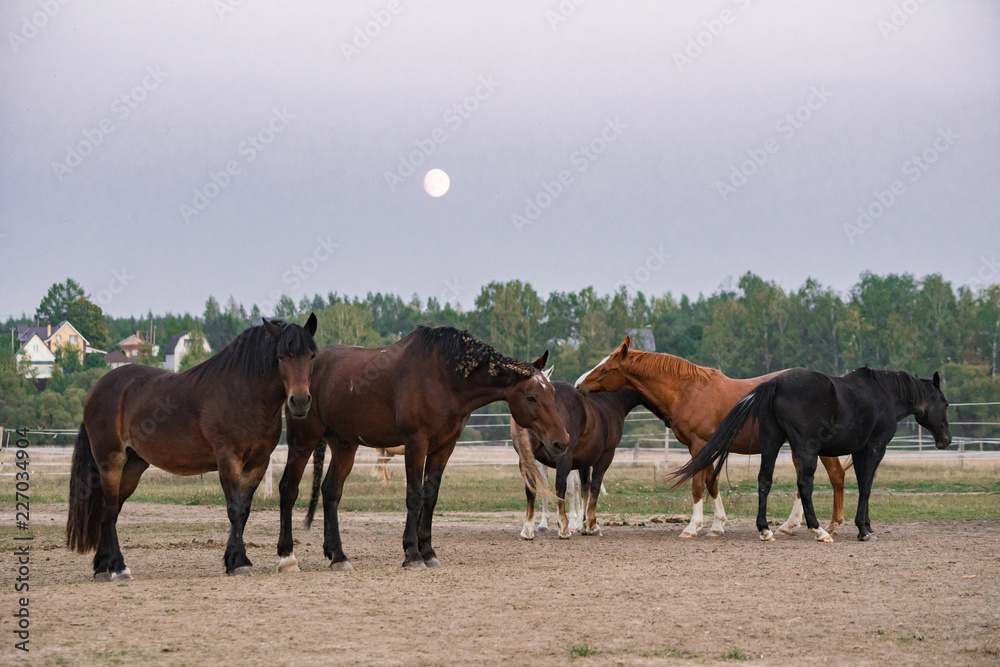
595 424
224 414
692 400
419 392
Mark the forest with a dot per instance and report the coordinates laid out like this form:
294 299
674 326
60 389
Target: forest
748 327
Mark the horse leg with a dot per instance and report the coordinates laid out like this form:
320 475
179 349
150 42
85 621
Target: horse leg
864 468
807 474
594 486
415 456
768 456
795 518
528 530
574 499
543 525
719 512
835 470
131 472
239 482
381 465
341 461
108 558
698 506
562 475
434 469
288 490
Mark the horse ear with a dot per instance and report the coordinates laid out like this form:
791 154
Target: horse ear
272 329
623 350
311 324
936 380
539 363
548 372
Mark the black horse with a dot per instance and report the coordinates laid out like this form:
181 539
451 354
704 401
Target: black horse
830 416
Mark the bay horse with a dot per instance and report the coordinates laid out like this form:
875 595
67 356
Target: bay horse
692 400
595 424
419 391
224 414
817 414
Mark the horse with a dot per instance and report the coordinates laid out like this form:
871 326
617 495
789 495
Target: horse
818 414
595 424
224 414
419 391
692 400
383 456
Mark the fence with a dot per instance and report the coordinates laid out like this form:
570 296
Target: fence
486 442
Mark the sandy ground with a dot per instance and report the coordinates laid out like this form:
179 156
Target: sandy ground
926 592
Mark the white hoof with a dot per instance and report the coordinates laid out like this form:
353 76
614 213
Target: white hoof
834 527
718 529
688 533
788 528
766 535
565 535
242 571
288 564
345 566
527 532
821 535
124 575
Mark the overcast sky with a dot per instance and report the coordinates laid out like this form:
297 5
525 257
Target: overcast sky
160 152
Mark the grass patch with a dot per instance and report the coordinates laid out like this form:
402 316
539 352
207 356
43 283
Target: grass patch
582 651
736 654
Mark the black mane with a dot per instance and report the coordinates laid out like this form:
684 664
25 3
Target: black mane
897 383
255 352
466 353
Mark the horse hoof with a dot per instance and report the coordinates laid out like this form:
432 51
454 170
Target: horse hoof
104 576
526 537
716 533
124 575
786 530
541 529
833 528
414 565
688 535
288 564
241 571
342 566
766 536
565 536
869 537
432 562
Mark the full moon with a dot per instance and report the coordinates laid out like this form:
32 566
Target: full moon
436 182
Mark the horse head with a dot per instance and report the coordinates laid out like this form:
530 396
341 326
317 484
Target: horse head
609 374
532 404
932 415
295 349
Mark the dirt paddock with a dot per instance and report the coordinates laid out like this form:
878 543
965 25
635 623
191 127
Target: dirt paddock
925 592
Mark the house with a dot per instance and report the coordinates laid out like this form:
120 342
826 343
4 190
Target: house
35 357
178 347
133 346
116 358
62 335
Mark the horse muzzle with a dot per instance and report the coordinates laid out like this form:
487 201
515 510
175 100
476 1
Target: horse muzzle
298 405
942 443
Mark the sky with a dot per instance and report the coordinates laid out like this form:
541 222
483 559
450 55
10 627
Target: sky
161 152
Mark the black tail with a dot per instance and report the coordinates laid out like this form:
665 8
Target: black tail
86 499
318 457
752 406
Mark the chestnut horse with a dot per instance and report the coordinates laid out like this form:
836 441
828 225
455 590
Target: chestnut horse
692 400
224 414
595 424
420 392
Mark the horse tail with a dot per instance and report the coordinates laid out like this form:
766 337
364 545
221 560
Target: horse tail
849 464
86 498
751 407
318 457
532 476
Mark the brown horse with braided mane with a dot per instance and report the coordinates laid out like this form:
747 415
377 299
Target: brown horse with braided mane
419 391
224 414
692 400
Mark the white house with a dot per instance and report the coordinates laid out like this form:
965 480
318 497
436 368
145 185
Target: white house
178 347
35 356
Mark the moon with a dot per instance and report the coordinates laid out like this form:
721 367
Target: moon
436 183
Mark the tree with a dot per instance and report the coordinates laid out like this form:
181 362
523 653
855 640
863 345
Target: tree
196 353
346 324
55 305
88 318
507 316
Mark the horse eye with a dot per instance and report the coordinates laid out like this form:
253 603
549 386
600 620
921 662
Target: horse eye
531 399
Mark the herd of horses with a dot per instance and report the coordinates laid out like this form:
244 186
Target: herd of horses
418 394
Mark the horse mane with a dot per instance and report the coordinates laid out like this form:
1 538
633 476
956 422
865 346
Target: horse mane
255 353
465 353
668 364
896 383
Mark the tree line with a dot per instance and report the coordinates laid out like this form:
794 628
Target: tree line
749 328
